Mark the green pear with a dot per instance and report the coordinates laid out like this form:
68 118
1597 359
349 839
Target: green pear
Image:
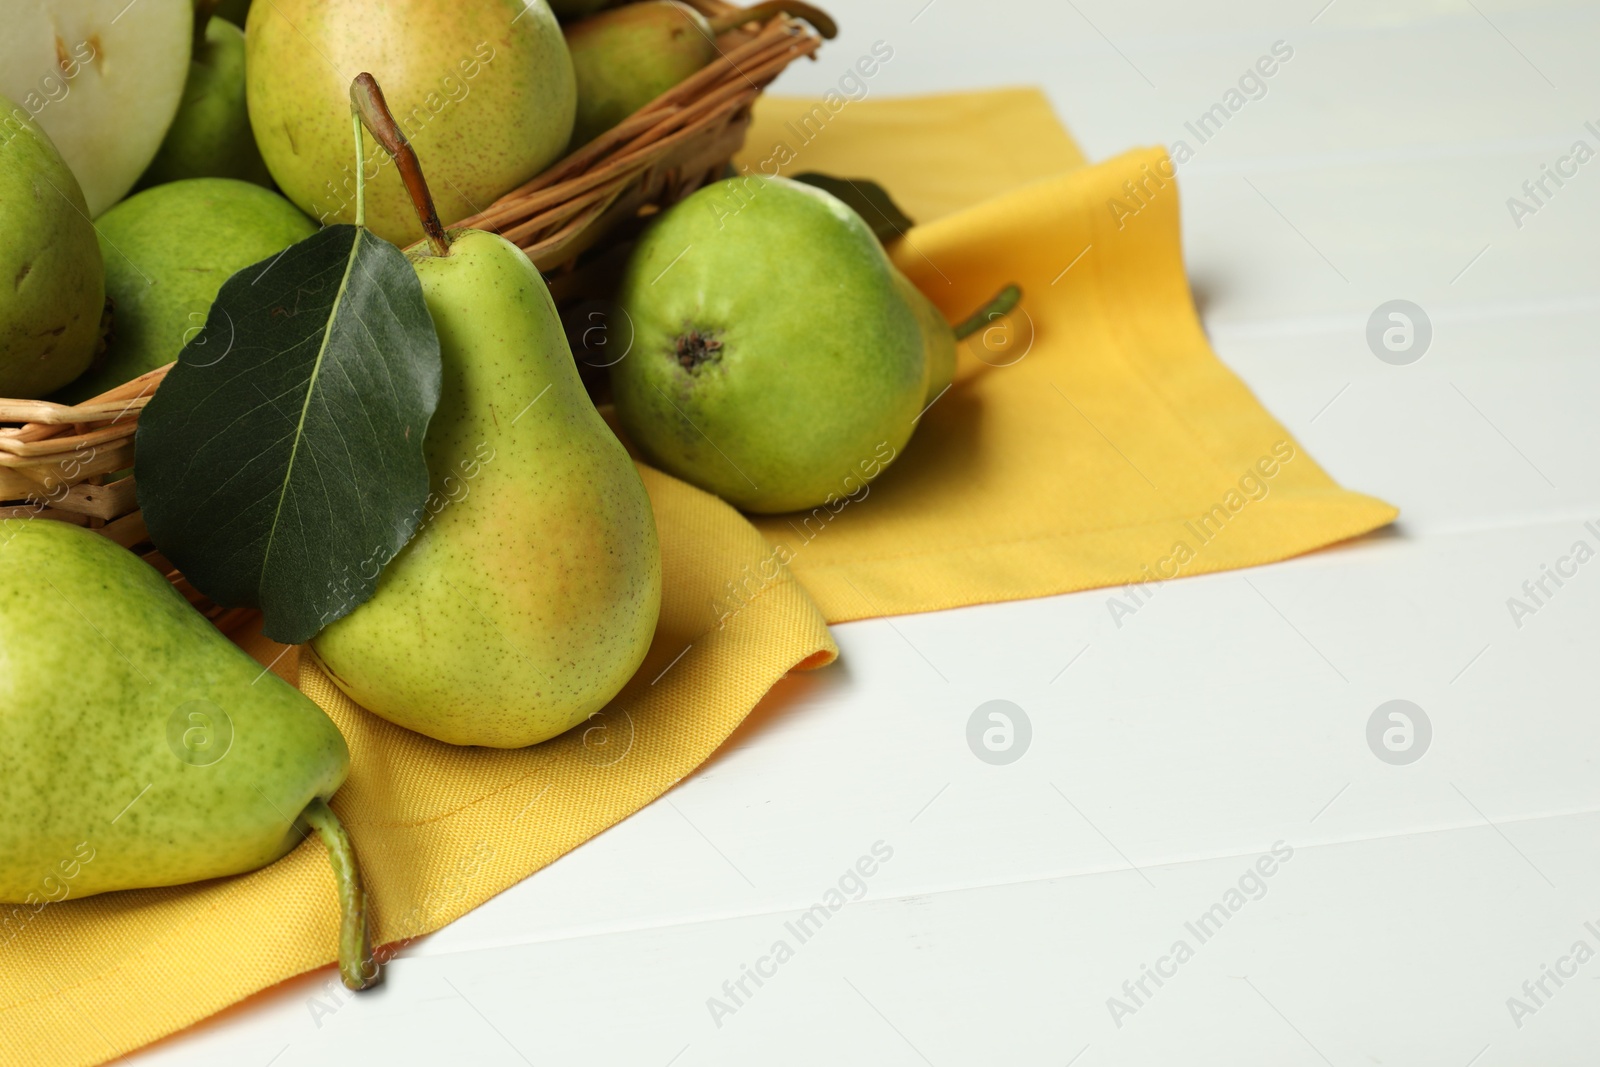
774 398
53 294
167 251
138 746
103 78
211 137
483 90
626 57
530 595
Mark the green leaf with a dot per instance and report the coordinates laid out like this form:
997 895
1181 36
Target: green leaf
280 463
868 199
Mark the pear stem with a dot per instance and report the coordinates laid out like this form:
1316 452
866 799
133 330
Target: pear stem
356 965
367 102
998 306
821 20
203 10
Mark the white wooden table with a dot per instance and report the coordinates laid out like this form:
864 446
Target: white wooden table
1229 714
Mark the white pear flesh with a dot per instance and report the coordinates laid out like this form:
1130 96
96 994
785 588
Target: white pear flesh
102 77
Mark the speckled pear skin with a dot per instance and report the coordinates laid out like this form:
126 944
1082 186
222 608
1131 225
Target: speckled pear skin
167 251
97 653
484 91
775 395
530 598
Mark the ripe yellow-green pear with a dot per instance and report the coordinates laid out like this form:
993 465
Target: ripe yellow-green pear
102 77
52 292
482 88
530 597
138 746
167 251
210 137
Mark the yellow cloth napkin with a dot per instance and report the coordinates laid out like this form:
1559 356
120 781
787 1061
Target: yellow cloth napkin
937 154
1093 440
438 829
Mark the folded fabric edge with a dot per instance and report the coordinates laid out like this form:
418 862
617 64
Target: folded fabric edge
859 596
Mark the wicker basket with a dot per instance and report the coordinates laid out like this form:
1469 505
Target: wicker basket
55 460
657 156
54 463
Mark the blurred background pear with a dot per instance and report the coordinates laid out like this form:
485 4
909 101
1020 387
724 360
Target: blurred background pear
210 136
626 57
52 295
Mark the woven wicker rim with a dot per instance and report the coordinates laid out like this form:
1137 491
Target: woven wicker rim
543 213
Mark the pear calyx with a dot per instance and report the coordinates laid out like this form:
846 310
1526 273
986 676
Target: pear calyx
695 347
